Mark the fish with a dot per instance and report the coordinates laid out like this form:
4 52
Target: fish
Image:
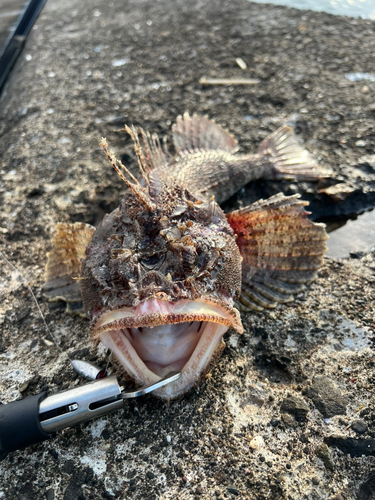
167 273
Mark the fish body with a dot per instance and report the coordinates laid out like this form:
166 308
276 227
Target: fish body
164 274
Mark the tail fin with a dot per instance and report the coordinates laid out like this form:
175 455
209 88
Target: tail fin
290 160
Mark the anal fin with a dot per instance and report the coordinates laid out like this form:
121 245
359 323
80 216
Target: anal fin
64 264
281 250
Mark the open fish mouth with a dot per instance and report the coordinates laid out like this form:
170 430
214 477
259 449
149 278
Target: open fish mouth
158 337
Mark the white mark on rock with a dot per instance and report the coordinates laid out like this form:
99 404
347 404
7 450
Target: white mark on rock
97 427
96 460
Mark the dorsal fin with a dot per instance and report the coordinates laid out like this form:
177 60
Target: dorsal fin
139 191
192 134
150 154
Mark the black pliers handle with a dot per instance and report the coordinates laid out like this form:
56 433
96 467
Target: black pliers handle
36 418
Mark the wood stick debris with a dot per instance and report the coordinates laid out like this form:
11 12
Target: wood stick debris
228 81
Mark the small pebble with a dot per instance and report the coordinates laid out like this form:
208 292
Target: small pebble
50 494
322 452
294 406
24 387
257 443
241 63
106 434
232 489
359 426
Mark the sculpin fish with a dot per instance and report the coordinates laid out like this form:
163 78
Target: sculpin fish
164 276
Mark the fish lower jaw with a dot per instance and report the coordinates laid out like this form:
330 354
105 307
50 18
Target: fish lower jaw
150 346
192 367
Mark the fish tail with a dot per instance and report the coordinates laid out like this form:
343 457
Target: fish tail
288 158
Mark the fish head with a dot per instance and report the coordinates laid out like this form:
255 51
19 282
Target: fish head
159 283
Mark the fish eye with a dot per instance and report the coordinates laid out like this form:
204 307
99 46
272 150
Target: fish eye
153 261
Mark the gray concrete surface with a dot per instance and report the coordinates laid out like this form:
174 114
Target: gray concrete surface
259 426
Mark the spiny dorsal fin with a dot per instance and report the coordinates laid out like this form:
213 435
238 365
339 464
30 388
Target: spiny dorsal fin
281 249
156 157
143 161
193 134
150 155
138 190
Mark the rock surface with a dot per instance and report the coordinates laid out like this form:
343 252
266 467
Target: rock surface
88 68
359 426
295 406
327 397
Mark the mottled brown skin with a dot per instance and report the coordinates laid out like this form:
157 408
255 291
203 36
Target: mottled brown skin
183 249
169 238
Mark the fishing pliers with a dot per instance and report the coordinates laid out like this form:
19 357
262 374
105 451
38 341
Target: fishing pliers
36 418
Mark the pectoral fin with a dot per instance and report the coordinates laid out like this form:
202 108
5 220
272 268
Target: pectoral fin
281 250
64 264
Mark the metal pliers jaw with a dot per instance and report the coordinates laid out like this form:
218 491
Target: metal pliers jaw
36 418
83 403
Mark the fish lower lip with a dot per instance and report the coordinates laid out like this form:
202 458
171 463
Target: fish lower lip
192 367
181 336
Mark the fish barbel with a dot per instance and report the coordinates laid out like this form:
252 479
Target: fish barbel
164 275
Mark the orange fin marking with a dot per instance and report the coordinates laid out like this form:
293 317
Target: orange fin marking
281 249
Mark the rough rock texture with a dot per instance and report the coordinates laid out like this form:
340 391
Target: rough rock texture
92 66
294 406
327 397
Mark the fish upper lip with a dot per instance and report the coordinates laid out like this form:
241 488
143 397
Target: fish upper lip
208 310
